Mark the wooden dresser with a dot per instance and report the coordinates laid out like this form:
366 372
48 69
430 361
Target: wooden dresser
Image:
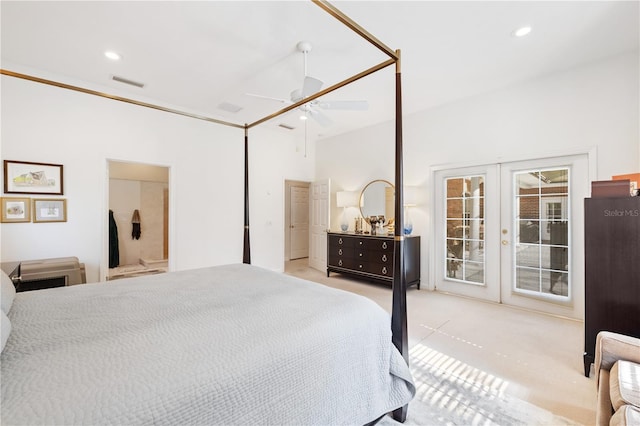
612 270
371 256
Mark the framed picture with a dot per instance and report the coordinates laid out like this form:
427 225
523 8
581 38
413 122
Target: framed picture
16 209
49 210
22 177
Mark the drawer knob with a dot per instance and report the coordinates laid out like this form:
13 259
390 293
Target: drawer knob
339 240
360 266
384 244
384 257
360 254
340 252
384 270
340 262
360 242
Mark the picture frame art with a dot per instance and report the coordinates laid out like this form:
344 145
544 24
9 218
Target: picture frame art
49 210
23 177
15 209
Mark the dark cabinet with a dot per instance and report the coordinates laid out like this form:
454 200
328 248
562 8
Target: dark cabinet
612 270
371 256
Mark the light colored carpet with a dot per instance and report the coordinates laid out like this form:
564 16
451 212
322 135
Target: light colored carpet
450 392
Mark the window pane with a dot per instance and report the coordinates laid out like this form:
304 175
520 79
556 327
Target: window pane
542 231
529 207
455 188
465 229
455 208
526 184
529 231
555 283
455 228
555 257
474 272
528 255
528 279
455 248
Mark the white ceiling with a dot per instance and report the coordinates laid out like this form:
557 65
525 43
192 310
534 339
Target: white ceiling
193 56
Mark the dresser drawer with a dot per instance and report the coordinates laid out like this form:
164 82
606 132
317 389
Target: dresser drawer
341 262
340 251
380 269
383 257
370 244
341 241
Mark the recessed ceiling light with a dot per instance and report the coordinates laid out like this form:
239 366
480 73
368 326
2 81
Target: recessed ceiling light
522 31
112 55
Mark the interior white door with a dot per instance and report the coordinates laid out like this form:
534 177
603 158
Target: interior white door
542 221
319 218
299 227
467 232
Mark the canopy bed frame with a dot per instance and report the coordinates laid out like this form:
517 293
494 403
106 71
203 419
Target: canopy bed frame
399 286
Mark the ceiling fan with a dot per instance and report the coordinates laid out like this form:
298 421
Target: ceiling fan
310 86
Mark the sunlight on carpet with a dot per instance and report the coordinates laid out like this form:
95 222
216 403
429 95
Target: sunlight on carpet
450 392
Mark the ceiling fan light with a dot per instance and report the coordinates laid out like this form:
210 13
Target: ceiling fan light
303 117
522 31
114 56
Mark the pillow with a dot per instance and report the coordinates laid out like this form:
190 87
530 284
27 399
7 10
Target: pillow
8 292
5 328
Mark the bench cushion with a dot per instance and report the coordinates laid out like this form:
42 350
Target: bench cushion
627 415
623 384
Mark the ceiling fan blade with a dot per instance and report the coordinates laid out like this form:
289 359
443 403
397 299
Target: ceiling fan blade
322 119
310 86
284 101
346 105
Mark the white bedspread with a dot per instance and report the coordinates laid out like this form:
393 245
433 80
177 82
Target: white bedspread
232 344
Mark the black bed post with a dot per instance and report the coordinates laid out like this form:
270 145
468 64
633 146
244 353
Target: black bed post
246 251
399 313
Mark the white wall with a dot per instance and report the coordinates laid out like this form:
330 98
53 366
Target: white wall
273 160
592 106
47 124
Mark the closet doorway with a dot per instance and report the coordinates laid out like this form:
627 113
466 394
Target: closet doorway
138 204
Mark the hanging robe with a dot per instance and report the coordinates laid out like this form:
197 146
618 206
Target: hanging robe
114 251
135 228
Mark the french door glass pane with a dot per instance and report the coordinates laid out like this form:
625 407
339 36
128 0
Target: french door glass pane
542 232
464 243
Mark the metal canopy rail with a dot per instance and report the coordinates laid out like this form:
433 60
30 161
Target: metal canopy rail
399 304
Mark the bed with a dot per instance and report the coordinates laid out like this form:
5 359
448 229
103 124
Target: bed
233 344
341 361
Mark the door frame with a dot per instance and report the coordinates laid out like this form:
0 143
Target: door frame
432 245
103 273
288 183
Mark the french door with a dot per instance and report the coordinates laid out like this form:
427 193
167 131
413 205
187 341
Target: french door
513 233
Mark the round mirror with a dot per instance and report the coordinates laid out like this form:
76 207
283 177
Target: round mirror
378 199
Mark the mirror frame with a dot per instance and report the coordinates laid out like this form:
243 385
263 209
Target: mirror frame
366 218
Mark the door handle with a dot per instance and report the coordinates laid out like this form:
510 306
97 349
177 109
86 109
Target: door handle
505 242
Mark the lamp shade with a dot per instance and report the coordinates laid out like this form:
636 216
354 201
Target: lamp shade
410 196
346 198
